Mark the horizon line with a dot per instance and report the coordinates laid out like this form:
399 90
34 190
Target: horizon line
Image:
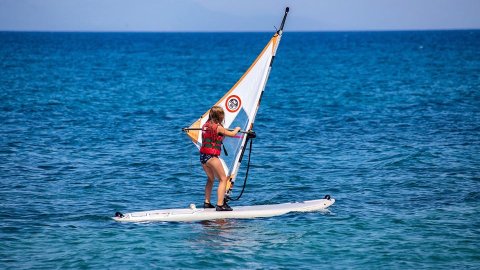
241 31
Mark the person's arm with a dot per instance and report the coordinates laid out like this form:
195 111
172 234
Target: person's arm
227 132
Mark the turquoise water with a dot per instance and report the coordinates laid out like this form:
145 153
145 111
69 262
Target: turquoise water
388 123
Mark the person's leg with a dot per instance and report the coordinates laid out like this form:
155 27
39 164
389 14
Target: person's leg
210 181
216 165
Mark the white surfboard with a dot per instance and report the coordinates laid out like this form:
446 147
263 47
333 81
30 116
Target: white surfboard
239 212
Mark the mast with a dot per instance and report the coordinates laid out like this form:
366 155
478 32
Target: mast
241 105
287 9
276 40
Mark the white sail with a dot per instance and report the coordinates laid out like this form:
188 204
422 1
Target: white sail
240 105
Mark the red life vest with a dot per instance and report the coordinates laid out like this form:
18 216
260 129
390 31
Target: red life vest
211 140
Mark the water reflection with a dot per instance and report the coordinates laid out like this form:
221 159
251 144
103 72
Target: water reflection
248 236
230 236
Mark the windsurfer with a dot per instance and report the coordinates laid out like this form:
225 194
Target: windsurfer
212 136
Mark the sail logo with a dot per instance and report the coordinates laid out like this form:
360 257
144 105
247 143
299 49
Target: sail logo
233 103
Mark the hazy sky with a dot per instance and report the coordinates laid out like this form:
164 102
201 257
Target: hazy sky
239 15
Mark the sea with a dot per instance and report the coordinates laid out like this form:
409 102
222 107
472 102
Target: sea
387 123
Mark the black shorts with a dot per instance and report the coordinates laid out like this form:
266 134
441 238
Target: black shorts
204 158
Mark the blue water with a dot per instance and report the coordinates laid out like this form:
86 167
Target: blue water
388 123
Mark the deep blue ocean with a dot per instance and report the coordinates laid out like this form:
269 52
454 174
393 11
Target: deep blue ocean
387 123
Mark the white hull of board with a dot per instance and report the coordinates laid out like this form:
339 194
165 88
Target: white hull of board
239 212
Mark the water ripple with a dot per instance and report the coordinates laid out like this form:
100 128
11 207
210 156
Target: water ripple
387 123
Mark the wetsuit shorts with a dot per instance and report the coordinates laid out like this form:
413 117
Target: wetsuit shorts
204 158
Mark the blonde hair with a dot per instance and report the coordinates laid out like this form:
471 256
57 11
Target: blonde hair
216 114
